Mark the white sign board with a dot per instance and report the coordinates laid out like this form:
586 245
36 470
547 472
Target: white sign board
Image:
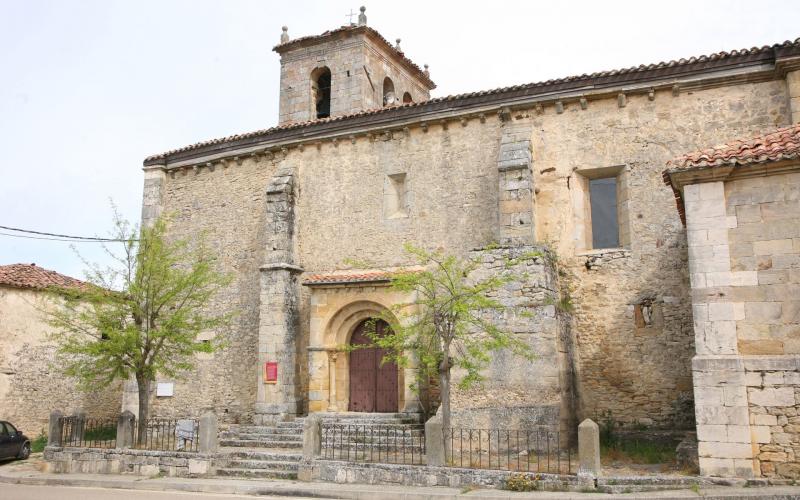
165 389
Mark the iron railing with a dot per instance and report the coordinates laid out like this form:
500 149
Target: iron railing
391 444
85 432
167 434
534 450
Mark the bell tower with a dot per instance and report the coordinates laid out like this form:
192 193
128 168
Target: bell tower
344 71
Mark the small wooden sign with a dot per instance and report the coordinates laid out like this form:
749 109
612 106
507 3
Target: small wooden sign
271 372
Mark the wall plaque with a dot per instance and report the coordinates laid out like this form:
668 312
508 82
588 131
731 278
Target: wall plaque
270 372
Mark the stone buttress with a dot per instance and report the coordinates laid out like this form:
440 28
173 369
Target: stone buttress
278 312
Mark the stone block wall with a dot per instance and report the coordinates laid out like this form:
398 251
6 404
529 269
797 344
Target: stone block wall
519 393
125 461
763 215
744 274
773 397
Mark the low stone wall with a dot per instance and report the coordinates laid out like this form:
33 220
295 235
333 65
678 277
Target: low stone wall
773 395
127 461
421 475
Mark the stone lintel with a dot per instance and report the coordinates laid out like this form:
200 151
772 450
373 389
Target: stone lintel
284 266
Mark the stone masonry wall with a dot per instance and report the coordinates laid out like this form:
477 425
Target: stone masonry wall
519 393
127 461
765 248
225 205
640 374
31 384
773 396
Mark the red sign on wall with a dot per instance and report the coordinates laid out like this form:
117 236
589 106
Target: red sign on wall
270 372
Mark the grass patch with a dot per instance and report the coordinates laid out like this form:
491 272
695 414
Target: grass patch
101 434
38 444
636 451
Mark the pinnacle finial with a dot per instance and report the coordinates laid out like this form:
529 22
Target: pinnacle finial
284 34
362 18
397 45
427 73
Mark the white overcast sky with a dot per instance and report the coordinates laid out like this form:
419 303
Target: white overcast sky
89 88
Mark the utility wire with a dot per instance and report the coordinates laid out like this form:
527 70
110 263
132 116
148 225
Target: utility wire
58 237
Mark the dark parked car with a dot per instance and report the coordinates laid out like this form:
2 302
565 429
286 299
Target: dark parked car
13 443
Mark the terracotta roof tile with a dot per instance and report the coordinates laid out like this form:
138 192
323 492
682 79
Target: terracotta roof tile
773 146
33 276
780 144
344 278
658 69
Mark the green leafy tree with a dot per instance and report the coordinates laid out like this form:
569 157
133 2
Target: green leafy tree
447 324
140 316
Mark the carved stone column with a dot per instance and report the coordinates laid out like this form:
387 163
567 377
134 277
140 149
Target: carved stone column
278 315
332 357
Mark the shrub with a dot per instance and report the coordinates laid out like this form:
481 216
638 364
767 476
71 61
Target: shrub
38 444
522 482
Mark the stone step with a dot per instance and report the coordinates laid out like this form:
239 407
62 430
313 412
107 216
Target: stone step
264 454
260 464
256 473
261 443
373 448
356 422
264 436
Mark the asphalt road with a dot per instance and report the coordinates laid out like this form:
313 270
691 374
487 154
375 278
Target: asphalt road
19 492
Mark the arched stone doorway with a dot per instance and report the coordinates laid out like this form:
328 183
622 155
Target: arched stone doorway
373 384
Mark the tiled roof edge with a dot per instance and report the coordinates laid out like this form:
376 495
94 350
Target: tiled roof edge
642 73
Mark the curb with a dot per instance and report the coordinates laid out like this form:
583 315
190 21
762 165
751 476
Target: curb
372 492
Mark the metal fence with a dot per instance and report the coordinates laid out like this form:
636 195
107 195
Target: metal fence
373 443
533 450
84 432
167 434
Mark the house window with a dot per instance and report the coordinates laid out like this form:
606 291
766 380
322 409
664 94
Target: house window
600 205
395 202
321 92
603 200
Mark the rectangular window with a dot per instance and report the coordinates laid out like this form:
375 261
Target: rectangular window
395 203
603 201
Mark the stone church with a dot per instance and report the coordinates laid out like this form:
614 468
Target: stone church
363 160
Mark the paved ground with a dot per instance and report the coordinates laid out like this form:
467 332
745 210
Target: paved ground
24 481
22 492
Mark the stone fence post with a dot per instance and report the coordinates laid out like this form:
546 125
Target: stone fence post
589 449
55 428
207 440
312 437
312 447
434 444
125 424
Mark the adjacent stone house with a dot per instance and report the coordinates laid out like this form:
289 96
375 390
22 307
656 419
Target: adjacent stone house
570 168
31 386
741 203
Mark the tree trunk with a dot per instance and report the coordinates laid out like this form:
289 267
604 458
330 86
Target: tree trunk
444 395
144 408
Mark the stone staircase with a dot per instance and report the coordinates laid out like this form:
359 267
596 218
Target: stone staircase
274 452
260 452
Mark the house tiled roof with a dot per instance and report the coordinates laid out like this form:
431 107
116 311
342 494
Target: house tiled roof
35 277
345 278
719 60
777 145
356 29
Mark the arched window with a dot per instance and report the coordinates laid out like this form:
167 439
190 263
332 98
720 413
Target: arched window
407 98
321 92
389 99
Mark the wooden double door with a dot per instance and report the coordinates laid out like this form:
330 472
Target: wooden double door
373 386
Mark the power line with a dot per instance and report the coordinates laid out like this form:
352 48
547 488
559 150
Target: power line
58 237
